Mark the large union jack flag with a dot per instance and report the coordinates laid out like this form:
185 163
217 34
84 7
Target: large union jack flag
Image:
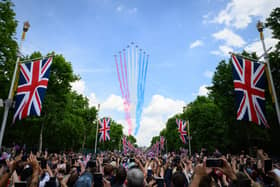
249 86
181 129
104 130
32 85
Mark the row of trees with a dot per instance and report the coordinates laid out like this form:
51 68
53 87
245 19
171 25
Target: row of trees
67 121
213 118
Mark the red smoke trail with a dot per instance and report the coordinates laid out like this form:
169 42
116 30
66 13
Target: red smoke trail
124 95
124 85
119 75
124 57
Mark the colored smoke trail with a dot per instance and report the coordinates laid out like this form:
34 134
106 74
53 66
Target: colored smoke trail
116 61
124 58
141 91
132 72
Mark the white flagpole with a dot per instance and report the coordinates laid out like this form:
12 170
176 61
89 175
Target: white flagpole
189 135
260 27
9 101
97 125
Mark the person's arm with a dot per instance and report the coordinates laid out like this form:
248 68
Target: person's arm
36 170
227 170
200 171
49 170
138 162
5 178
11 165
118 162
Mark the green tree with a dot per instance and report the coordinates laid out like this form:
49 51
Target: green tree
8 46
172 137
132 140
155 139
53 108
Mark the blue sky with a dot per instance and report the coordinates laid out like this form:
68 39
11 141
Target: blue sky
185 40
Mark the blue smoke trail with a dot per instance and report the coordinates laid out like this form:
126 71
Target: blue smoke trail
139 78
137 117
141 94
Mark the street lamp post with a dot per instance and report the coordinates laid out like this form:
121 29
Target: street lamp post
96 134
260 28
8 102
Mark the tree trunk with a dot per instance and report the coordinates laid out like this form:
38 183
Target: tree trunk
84 142
41 138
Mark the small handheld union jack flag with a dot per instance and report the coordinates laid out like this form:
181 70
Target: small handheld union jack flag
181 129
249 87
32 85
104 130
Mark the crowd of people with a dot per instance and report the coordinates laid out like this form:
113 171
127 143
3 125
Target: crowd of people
115 169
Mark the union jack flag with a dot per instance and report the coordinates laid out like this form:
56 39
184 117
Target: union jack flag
124 145
249 87
162 143
157 147
32 85
181 129
104 130
130 146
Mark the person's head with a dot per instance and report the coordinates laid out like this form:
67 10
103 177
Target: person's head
178 179
86 180
120 175
135 178
91 166
108 170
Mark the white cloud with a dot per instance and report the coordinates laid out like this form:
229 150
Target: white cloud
203 91
225 50
257 46
196 43
161 105
239 13
230 38
113 102
150 126
155 115
93 100
79 86
208 74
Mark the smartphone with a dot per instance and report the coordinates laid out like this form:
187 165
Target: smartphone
21 184
43 164
210 162
150 172
98 179
267 165
160 182
79 169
